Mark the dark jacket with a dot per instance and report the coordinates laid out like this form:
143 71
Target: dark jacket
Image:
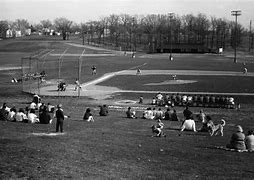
187 114
103 111
3 114
174 117
59 115
87 115
237 141
167 115
45 117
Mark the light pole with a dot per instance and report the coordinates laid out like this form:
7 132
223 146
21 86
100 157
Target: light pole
250 35
235 13
170 21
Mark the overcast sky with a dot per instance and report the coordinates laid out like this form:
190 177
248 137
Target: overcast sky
85 10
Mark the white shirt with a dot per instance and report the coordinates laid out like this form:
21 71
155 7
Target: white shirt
159 96
249 140
32 118
184 98
11 116
32 105
148 114
20 116
189 124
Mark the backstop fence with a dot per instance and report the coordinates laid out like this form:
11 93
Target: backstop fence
31 77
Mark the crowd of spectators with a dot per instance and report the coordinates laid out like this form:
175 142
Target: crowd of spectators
196 100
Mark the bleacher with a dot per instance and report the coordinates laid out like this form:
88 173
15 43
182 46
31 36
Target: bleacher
198 100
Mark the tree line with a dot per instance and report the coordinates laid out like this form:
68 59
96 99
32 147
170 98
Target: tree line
146 32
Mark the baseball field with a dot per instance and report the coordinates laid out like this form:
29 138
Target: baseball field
114 147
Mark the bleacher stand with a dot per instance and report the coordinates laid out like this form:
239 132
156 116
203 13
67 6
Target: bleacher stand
208 100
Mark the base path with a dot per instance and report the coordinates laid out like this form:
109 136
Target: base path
92 90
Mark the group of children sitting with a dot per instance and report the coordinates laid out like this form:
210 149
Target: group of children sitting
28 114
201 100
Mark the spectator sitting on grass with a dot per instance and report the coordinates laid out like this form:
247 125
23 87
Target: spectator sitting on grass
159 114
188 124
103 110
45 117
167 115
237 140
32 117
21 116
187 113
50 108
153 101
88 116
148 114
12 114
154 111
174 116
6 107
159 99
130 113
249 140
207 120
32 105
3 113
201 116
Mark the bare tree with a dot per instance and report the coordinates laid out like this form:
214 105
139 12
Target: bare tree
46 23
21 25
63 25
114 28
3 28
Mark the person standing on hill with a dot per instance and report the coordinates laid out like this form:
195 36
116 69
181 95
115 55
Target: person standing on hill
59 118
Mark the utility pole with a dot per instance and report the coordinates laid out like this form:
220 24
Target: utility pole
170 21
235 13
250 35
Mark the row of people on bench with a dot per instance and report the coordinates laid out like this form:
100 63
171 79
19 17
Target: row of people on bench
194 100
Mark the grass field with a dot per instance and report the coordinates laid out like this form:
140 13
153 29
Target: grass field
115 147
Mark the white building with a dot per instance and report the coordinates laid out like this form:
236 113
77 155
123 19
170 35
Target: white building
9 33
